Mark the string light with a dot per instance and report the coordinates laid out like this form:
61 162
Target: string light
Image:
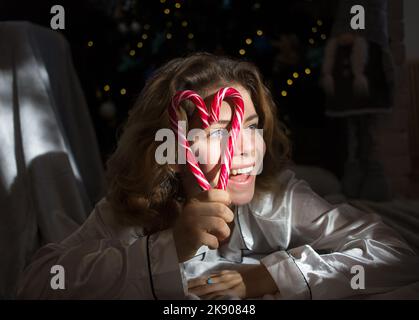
139 44
242 52
123 91
295 75
166 11
307 71
248 41
190 36
259 32
106 88
90 44
177 5
162 1
184 24
132 53
144 36
169 36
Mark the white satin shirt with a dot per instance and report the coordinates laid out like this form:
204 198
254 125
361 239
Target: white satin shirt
311 248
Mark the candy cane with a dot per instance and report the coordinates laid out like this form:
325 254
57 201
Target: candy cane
208 119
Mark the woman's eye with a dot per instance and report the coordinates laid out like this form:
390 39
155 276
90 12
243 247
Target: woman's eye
218 133
253 126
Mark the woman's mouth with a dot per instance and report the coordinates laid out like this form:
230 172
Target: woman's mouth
241 175
237 172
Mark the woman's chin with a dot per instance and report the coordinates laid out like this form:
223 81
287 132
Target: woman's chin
242 193
239 201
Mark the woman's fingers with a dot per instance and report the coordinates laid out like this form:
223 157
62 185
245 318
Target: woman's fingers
216 287
215 226
224 275
231 292
216 209
200 281
220 282
215 195
202 221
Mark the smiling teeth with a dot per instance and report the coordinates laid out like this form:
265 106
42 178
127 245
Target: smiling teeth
235 172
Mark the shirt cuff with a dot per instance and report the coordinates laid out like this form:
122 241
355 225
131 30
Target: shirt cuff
287 276
166 272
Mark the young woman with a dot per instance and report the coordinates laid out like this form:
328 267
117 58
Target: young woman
157 235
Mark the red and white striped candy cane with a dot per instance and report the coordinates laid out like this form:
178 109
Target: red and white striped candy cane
207 119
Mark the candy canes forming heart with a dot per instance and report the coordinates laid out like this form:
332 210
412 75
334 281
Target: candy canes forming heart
207 119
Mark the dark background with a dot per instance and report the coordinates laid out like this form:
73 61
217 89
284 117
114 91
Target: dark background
107 39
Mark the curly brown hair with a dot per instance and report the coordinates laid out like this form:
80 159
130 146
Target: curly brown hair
141 191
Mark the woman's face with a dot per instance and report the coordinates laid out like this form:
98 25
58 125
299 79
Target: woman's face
248 154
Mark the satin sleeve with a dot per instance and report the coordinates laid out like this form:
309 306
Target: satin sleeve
332 247
148 268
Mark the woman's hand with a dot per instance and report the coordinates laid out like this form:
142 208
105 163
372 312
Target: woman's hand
224 283
203 221
247 282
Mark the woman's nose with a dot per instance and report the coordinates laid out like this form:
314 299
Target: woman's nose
245 143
